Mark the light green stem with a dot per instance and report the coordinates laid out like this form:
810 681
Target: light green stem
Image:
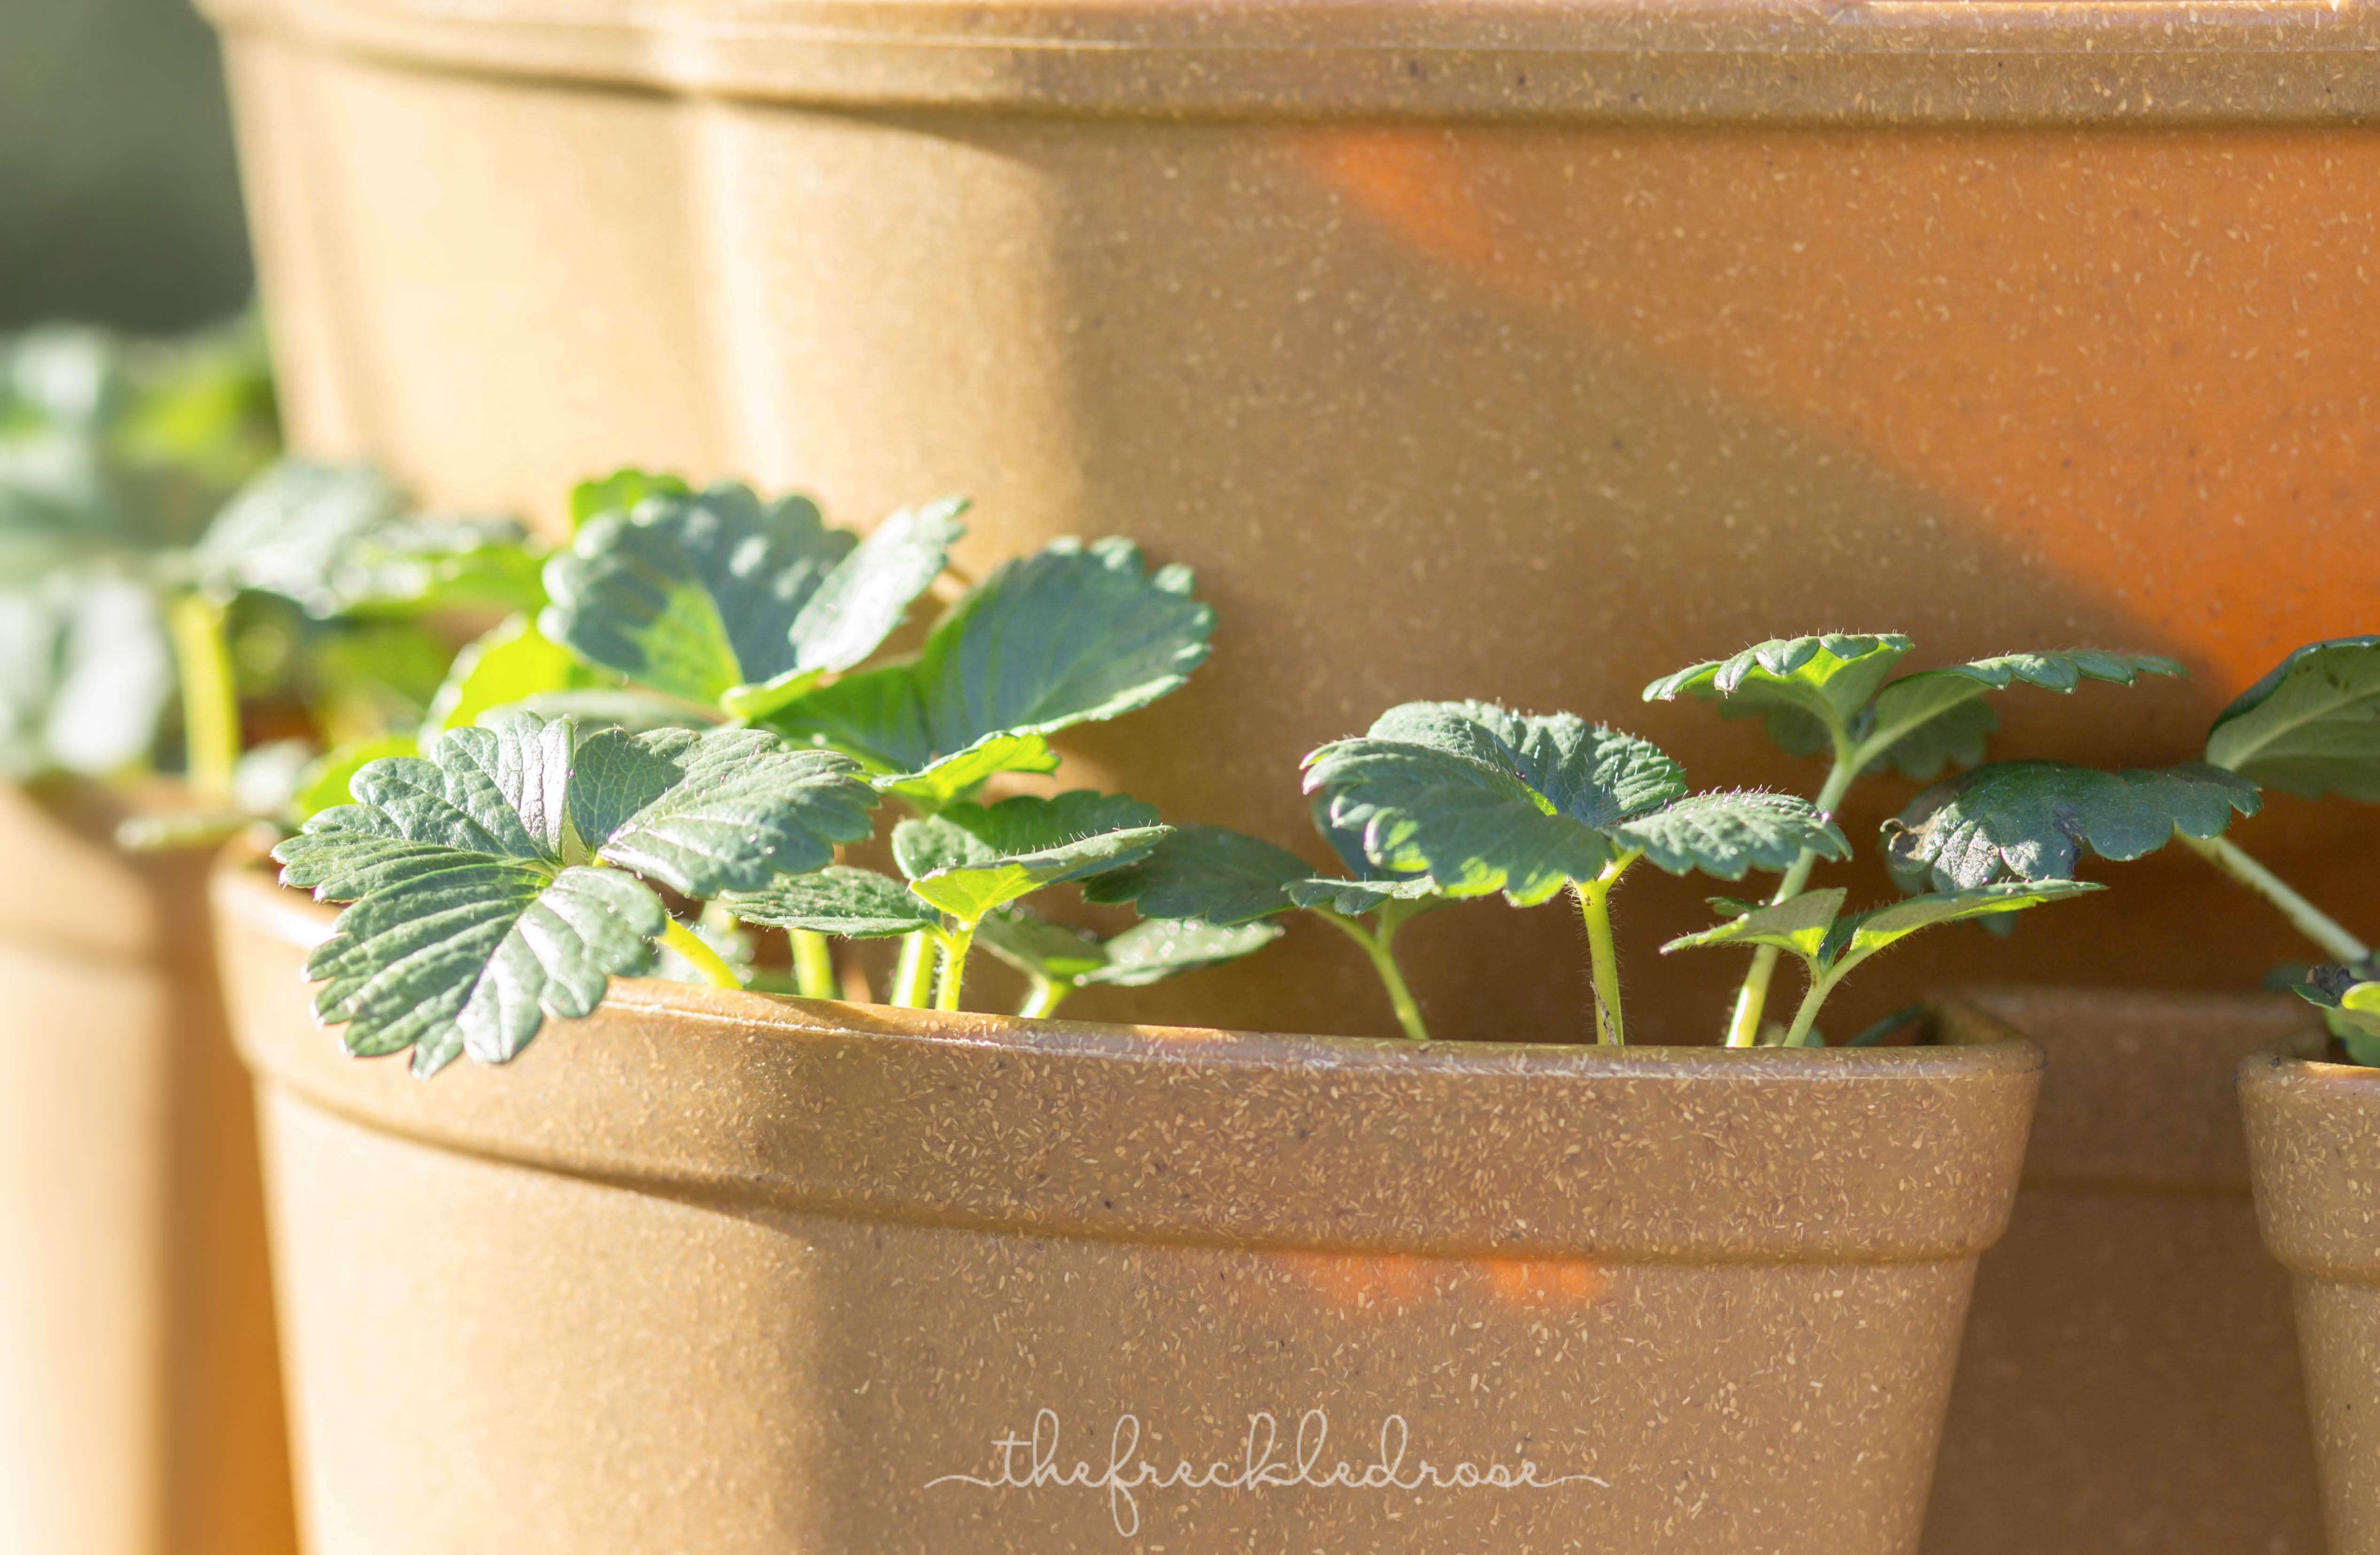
1594 906
1047 994
1384 961
1751 998
705 960
913 978
814 965
2310 921
956 942
210 694
1807 1016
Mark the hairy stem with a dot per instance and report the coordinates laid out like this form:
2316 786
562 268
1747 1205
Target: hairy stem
814 965
913 977
1384 961
700 955
1594 906
1047 993
1751 998
1807 1016
210 694
2310 922
956 945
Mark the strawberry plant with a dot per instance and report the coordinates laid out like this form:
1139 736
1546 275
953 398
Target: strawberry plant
1836 695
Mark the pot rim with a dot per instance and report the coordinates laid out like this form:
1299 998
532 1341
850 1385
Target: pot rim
757 1103
2310 1122
1885 63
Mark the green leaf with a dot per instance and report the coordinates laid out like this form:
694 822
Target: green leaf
337 538
1799 924
723 809
2312 726
1355 898
1819 684
473 955
1209 873
510 664
954 777
475 913
971 858
1727 833
722 600
620 491
1151 952
2031 819
1072 634
1483 799
1926 719
854 903
325 782
2349 1001
1863 934
1040 948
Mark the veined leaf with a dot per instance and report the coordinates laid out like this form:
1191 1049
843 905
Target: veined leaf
1209 874
620 491
84 673
1072 634
1355 898
1725 834
1819 684
1482 800
2029 820
854 903
971 859
1799 924
1863 934
1153 951
2312 726
475 911
512 663
1925 719
954 777
721 599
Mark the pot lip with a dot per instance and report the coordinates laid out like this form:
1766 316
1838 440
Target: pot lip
245 891
1880 62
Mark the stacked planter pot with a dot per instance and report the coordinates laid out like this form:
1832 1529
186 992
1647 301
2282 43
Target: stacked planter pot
2130 1378
1476 349
2311 1127
722 1271
139 1388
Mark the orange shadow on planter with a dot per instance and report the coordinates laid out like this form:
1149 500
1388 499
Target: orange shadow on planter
2140 360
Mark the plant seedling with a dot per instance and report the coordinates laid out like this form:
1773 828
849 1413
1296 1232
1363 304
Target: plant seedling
2310 727
1057 960
1481 799
1836 694
963 867
1227 881
503 879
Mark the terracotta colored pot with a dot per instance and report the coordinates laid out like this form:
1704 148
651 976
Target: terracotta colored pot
139 1388
725 1272
2130 1379
1466 350
2311 1131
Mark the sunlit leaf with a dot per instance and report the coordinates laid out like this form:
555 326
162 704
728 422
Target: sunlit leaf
2031 821
1799 925
2312 726
854 903
1816 684
509 665
1153 951
1725 834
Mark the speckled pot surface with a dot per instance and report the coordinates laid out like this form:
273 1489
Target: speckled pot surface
1466 348
2311 1128
140 1387
724 1273
2130 1379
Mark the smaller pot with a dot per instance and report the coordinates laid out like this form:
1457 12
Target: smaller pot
720 1272
2314 1144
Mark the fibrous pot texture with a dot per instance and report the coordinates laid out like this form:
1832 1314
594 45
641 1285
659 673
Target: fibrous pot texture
720 1272
2130 1379
139 1388
2311 1128
1525 351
